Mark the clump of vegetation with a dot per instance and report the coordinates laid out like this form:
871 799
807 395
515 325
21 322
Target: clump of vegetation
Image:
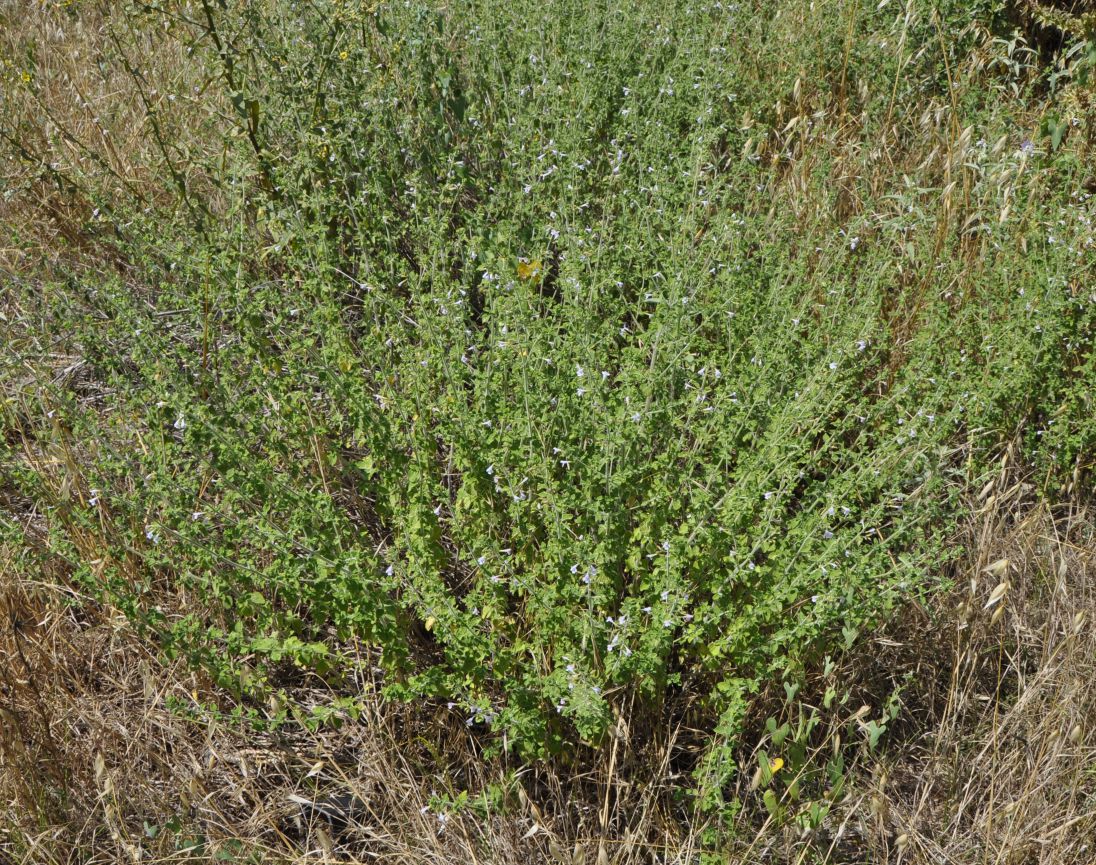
564 368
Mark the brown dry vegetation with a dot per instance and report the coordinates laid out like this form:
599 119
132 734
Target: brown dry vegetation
997 763
90 124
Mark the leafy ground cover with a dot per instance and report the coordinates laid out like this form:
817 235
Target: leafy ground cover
553 368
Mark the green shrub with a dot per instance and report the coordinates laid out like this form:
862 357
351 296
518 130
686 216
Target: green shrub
497 347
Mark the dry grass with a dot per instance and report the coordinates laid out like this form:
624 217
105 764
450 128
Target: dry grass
1006 772
994 759
89 122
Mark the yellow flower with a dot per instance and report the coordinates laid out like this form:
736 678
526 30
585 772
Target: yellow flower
530 270
776 765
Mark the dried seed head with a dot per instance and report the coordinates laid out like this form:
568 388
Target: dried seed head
997 594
